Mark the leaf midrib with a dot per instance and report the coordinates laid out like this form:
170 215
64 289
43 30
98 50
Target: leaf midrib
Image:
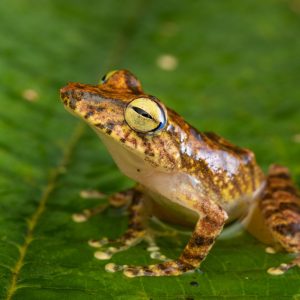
33 220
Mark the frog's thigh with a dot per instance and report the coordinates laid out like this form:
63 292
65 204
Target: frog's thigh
280 207
207 229
133 235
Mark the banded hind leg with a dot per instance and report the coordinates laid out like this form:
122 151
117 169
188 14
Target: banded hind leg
280 207
207 229
133 235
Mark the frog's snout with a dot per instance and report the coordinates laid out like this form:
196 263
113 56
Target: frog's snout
69 96
64 92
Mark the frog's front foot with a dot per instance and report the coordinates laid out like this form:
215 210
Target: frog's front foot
117 200
135 233
86 214
282 268
109 247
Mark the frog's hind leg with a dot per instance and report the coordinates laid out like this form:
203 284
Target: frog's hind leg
133 235
117 200
280 207
207 229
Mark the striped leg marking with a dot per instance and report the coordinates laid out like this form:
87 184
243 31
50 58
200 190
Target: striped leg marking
205 233
280 207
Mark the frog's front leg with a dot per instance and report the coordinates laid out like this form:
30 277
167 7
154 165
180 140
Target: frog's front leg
133 235
211 221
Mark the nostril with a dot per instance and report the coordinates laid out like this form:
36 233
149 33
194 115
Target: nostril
68 96
65 93
63 90
68 90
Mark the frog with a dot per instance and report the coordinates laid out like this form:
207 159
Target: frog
183 176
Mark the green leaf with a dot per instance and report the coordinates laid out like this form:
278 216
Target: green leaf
234 69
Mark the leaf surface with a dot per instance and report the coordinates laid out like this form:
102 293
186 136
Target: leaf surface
234 70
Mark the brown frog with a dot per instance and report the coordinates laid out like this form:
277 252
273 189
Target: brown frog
183 176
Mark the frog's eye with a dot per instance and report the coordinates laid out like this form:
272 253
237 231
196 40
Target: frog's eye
107 76
145 115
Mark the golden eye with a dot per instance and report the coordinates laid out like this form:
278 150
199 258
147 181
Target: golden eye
145 115
107 76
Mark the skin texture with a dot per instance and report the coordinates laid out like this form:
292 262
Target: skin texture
184 176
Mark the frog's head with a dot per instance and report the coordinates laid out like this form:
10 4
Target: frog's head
124 117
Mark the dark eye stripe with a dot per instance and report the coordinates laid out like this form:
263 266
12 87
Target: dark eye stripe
142 112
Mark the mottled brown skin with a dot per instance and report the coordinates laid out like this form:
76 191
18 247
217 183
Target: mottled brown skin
210 178
280 206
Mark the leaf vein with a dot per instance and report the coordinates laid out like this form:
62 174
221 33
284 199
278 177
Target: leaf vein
35 217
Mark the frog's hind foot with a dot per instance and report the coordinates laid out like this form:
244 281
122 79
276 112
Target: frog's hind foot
168 268
280 207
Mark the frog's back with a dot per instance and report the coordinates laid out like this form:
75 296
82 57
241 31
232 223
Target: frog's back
228 174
